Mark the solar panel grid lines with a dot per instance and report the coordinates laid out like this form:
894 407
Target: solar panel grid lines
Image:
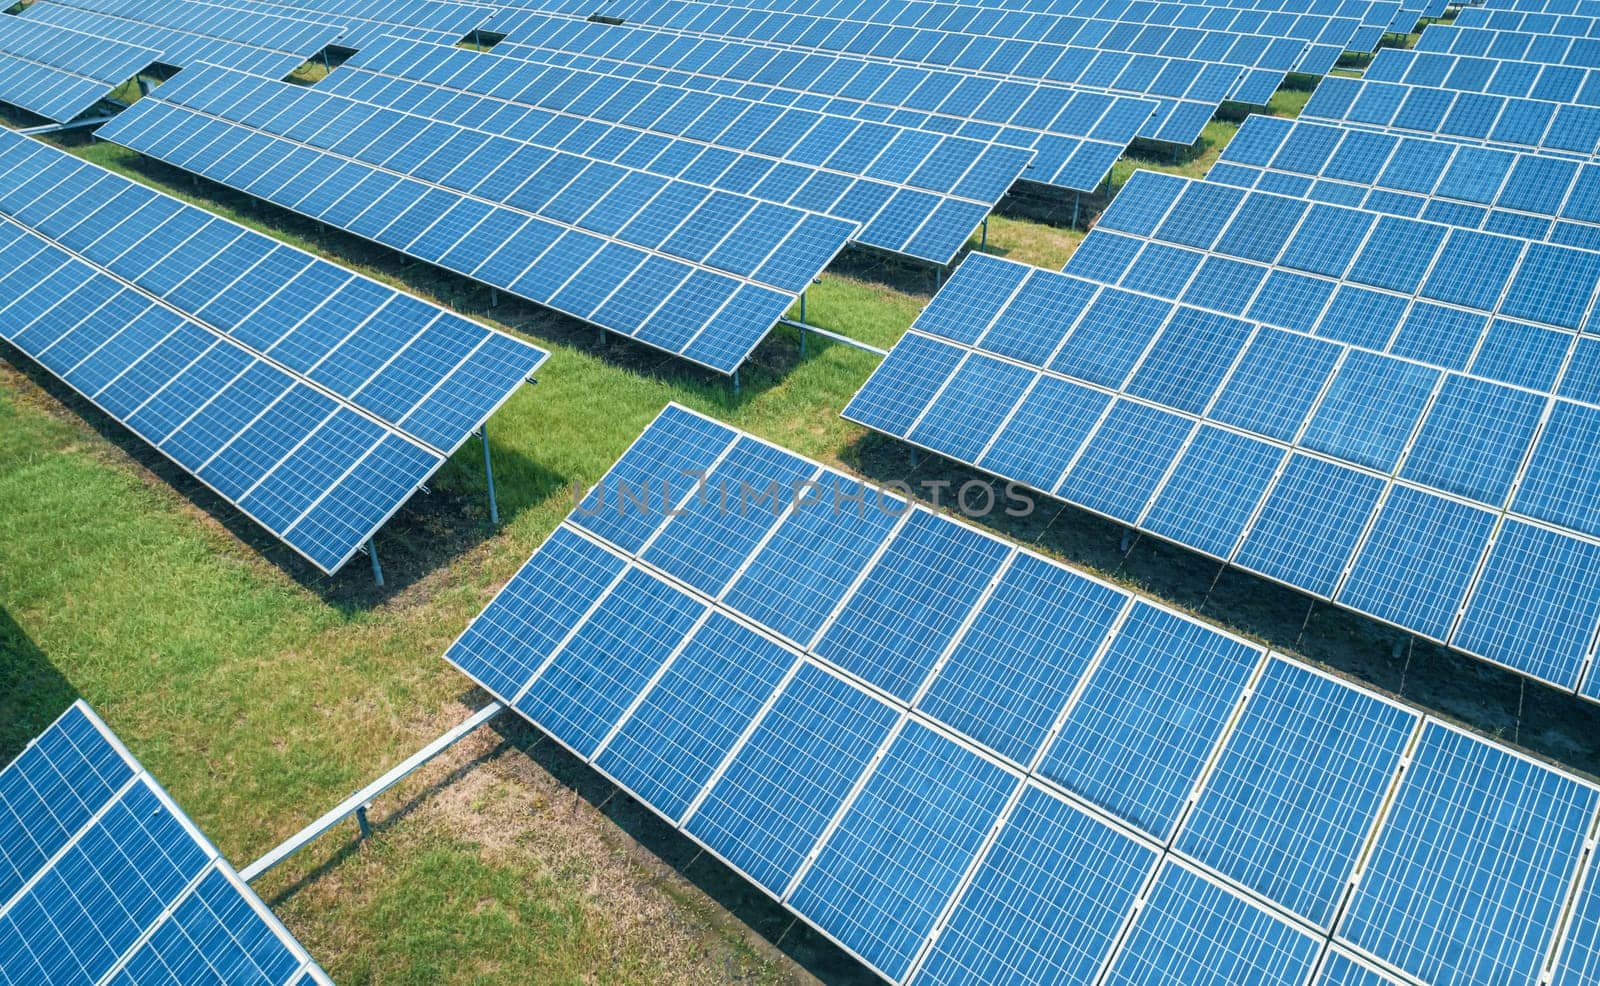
892 224
60 75
131 891
738 310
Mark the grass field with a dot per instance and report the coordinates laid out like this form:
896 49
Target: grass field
261 693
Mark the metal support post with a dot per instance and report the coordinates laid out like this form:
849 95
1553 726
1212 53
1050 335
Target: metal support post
983 241
362 823
736 383
488 475
1075 209
914 456
377 569
1127 540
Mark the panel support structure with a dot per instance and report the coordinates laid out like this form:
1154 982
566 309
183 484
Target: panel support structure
358 803
377 569
488 475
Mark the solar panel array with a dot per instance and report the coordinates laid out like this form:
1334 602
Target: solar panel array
913 193
1382 412
60 75
315 400
965 762
1500 76
1467 116
1575 47
1533 196
187 32
674 264
368 21
104 879
1075 135
1188 87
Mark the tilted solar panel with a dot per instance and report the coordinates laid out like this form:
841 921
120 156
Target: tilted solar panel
1381 412
61 74
315 400
1076 135
104 879
965 762
187 32
1187 90
914 193
701 273
1498 190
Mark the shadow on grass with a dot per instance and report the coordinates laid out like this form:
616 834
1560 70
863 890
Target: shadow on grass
429 530
32 692
1545 720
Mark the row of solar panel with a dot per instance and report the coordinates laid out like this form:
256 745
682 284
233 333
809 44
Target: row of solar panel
1507 120
1064 20
261 370
1271 450
905 729
186 33
1076 135
696 312
1465 73
103 878
367 21
60 74
782 247
912 193
1553 49
1187 90
1023 38
1533 196
1579 23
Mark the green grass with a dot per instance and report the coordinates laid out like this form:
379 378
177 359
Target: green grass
260 692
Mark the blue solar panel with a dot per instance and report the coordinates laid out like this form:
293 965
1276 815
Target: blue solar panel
1047 903
690 719
1138 737
774 799
1473 865
1310 524
317 406
1028 647
60 74
1191 930
1579 960
102 878
1299 785
899 851
911 603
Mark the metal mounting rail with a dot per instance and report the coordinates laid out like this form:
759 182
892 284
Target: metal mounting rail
358 803
836 337
55 128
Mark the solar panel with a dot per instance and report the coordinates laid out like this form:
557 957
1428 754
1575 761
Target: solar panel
1393 386
1076 135
104 879
701 273
60 75
1506 121
187 32
315 400
1473 865
1078 786
918 194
